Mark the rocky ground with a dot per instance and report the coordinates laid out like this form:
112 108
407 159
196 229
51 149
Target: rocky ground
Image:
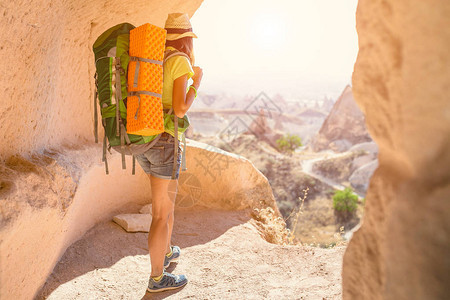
223 255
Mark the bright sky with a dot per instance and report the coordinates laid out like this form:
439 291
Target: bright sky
299 48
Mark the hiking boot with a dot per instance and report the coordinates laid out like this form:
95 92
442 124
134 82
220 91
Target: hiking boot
167 282
172 258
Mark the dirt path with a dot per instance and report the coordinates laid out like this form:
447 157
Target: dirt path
307 167
223 256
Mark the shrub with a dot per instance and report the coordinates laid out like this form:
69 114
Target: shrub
289 143
345 201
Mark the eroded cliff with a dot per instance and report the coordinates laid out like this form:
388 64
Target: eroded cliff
46 77
49 193
402 83
55 197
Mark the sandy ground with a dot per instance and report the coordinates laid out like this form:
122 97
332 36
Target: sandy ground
223 256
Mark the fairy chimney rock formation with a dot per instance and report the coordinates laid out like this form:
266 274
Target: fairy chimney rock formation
261 129
344 126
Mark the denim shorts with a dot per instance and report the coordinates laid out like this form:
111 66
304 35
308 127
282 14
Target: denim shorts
158 160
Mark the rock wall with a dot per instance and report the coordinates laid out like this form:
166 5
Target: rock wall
50 200
401 82
52 186
46 78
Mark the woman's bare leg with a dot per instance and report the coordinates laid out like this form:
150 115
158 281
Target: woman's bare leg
163 203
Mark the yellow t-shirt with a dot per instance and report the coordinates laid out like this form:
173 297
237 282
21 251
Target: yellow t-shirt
174 67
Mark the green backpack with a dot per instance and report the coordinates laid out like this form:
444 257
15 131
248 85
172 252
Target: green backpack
111 62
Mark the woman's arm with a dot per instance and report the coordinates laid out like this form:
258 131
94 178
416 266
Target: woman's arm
182 101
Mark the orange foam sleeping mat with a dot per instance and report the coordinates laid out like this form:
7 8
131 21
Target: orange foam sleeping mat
145 112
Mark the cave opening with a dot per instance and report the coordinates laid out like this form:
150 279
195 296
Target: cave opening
277 90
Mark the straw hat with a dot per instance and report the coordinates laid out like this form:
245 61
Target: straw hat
178 26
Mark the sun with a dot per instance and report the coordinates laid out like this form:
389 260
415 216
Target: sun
268 31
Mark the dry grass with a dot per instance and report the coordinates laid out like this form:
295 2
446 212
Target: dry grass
296 214
272 227
311 225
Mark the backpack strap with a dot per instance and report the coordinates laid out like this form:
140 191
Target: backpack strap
95 109
175 145
171 53
118 68
123 133
183 156
119 124
168 54
104 155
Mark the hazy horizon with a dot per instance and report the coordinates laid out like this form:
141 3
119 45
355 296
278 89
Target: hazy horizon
298 48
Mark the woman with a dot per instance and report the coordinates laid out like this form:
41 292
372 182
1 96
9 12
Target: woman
158 161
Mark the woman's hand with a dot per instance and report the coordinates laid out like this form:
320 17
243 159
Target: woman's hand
197 78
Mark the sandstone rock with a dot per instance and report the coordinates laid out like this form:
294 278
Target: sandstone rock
362 160
146 209
52 43
67 192
361 177
370 147
401 82
219 179
261 129
344 126
312 113
338 168
341 145
47 107
134 222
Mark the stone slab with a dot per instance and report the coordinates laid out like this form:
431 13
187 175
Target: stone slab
146 209
134 222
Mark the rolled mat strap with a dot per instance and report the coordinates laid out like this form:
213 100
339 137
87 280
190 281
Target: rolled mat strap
139 106
131 94
136 74
152 61
138 66
138 94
